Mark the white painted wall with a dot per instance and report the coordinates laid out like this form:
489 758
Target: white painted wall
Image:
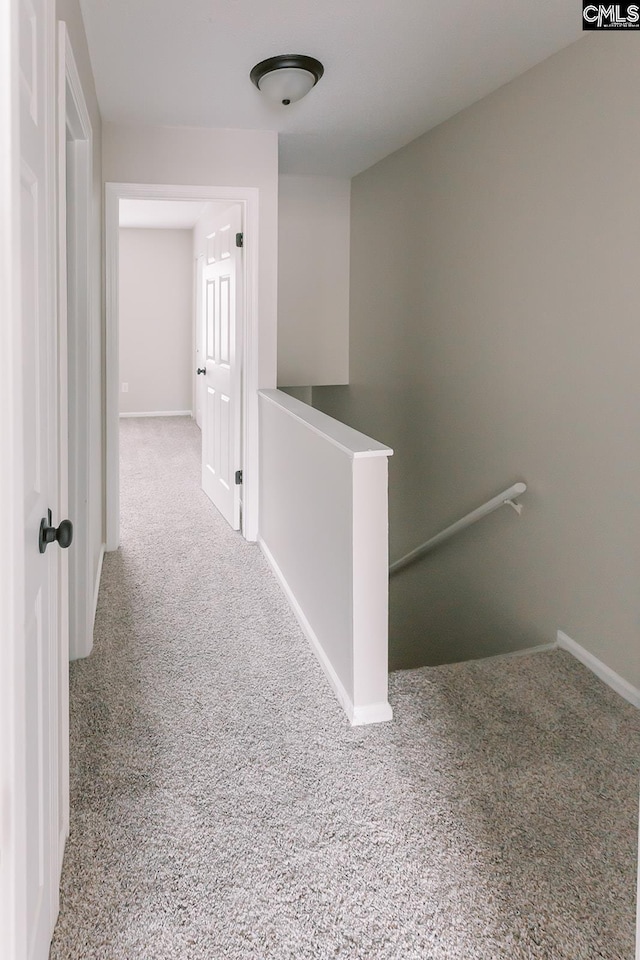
324 529
156 293
313 281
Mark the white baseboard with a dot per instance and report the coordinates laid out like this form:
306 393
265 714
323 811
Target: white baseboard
626 690
159 413
372 713
606 674
540 648
90 614
358 716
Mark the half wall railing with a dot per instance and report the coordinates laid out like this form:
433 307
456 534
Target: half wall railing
324 531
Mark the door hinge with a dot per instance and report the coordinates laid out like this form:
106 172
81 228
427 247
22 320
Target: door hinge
238 476
239 239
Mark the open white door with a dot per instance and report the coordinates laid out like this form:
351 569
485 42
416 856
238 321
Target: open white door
31 699
199 340
222 407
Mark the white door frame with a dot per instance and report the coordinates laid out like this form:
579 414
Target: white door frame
76 306
248 198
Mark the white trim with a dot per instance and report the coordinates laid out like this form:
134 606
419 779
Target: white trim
355 444
539 648
371 713
12 565
62 446
73 115
96 589
197 336
632 695
601 670
73 79
248 198
92 612
159 413
58 678
112 371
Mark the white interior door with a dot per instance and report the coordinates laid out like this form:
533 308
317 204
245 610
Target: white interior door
221 411
199 340
30 695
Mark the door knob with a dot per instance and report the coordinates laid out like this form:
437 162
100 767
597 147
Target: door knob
63 533
201 370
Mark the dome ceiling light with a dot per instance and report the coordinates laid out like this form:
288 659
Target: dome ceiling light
287 78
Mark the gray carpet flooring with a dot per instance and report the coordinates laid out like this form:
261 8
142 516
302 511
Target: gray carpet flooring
222 807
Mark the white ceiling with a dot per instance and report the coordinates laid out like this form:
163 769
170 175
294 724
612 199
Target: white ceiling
393 68
168 214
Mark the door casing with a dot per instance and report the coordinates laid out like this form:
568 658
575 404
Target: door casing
248 198
76 304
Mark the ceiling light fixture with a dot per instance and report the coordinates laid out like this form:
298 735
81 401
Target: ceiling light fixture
286 78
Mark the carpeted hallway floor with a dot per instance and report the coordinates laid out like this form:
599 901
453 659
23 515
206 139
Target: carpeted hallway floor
223 809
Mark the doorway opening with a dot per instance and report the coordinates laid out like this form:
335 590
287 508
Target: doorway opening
232 448
180 327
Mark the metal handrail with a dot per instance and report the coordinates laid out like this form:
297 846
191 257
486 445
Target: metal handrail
506 497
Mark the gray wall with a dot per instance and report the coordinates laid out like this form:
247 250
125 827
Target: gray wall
313 280
495 336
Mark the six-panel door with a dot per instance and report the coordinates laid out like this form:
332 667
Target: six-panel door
221 414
